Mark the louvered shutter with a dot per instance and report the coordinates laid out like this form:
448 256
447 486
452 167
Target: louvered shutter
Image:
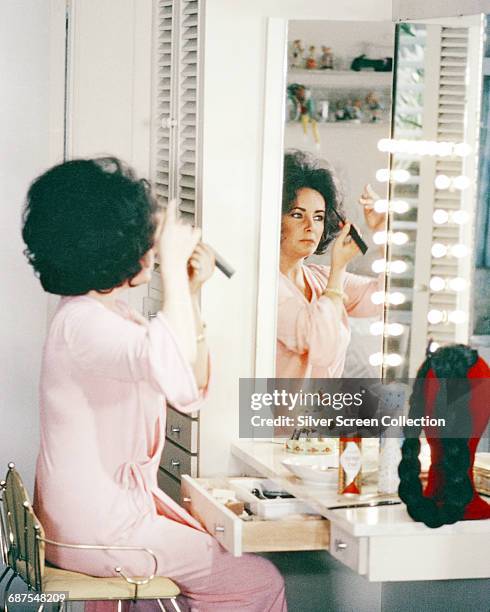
188 120
164 124
450 127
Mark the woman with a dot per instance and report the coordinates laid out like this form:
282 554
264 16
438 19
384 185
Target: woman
91 232
315 301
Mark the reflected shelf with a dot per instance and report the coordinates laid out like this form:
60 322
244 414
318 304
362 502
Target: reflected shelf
341 78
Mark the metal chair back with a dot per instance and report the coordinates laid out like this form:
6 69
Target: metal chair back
25 548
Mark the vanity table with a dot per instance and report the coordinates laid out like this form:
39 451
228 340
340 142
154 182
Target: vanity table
365 539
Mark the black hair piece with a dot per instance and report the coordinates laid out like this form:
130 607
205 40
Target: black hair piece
450 364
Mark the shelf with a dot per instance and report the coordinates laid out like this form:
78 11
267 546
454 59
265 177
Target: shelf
364 79
344 124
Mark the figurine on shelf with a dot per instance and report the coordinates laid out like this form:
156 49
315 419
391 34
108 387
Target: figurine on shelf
301 96
298 54
311 63
326 60
340 114
358 109
374 107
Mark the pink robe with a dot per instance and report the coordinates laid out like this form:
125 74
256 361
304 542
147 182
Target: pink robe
311 343
105 381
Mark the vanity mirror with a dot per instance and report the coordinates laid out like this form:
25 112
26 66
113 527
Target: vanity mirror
422 159
338 107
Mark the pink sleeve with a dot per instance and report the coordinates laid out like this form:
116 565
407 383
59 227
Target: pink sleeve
308 327
359 290
112 347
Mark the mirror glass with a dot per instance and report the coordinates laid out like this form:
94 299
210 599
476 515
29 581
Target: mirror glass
338 107
435 197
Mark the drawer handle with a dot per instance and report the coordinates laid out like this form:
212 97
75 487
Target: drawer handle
219 529
174 429
339 545
174 463
186 500
152 315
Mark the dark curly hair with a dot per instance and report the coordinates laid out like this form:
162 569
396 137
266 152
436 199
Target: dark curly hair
86 225
303 170
450 364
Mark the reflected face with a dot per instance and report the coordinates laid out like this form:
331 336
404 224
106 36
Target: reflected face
302 227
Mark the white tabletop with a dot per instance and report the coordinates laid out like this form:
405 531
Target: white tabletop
265 458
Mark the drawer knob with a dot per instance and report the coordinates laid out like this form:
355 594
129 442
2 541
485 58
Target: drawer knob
339 545
219 529
174 429
174 463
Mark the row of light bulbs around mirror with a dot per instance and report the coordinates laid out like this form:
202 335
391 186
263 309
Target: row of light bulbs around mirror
438 250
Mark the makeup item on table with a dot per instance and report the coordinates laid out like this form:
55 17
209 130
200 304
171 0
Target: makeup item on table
353 233
350 466
373 504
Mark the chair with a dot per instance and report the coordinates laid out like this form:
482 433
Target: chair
22 545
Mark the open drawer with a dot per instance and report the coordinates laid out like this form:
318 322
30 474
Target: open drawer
297 532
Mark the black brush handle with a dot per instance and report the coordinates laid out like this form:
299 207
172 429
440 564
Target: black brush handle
354 234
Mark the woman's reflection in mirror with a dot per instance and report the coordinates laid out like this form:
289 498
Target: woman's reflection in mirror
316 301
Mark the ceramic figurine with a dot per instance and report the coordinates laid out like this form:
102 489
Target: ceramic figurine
326 60
306 108
311 62
298 54
374 107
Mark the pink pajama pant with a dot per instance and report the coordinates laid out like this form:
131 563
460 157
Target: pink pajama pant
231 584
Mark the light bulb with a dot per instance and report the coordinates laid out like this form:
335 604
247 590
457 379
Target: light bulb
435 316
376 328
460 217
443 149
461 182
383 175
380 237
400 207
398 266
437 283
440 216
457 317
400 176
378 297
434 346
442 182
457 284
384 145
462 149
396 298
394 359
438 250
376 359
378 266
381 206
395 329
399 238
459 250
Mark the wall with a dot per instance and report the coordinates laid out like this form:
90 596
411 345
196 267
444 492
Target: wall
421 9
235 44
28 147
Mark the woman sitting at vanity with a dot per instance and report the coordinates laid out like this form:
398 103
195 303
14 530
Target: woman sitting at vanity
315 301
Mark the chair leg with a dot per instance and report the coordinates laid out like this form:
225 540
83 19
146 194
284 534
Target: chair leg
160 605
175 605
5 593
5 572
119 605
41 608
62 607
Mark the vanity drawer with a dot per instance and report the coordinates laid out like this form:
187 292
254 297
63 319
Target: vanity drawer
169 484
297 532
348 549
177 461
182 430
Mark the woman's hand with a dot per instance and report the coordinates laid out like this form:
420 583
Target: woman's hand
176 241
200 266
344 249
374 220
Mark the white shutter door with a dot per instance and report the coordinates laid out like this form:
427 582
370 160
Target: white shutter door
164 104
188 119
